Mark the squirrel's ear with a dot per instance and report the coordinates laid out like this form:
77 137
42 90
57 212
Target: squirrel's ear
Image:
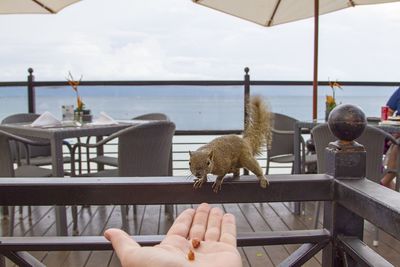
190 153
211 154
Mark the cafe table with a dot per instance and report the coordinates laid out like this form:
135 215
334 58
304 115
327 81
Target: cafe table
55 135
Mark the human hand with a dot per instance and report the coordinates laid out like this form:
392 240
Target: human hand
217 232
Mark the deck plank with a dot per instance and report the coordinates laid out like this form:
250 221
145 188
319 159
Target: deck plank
85 227
165 220
88 224
20 226
114 262
276 253
135 220
289 221
151 216
43 223
256 255
102 258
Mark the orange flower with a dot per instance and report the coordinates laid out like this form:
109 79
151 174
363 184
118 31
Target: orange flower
74 84
334 85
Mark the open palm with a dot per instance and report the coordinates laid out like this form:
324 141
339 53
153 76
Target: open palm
216 231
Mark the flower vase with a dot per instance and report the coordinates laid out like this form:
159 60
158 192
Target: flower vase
327 112
78 116
87 115
83 115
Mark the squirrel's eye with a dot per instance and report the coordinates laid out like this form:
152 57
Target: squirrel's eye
190 163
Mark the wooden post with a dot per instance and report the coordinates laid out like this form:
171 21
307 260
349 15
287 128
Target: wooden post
31 92
340 221
345 159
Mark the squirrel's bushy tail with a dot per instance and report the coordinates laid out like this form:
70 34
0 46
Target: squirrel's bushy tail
258 125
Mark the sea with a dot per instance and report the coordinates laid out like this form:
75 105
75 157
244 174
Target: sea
193 107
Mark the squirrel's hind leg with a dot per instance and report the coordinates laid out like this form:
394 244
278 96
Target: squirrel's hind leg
252 165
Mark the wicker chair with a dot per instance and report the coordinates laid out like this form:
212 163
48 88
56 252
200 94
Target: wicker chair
282 146
7 159
38 155
373 139
113 161
143 150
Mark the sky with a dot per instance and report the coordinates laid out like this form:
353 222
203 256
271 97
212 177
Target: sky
179 40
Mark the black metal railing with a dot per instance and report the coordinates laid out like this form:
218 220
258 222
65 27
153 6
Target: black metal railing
31 84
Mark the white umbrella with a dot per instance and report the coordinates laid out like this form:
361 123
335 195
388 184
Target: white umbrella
273 12
33 6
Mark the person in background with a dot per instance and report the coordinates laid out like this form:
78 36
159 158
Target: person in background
392 153
215 230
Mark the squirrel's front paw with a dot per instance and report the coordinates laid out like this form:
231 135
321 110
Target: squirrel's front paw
263 181
217 185
198 182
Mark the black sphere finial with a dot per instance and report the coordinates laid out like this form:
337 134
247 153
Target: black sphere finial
30 70
246 69
347 122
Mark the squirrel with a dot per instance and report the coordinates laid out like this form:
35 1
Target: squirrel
227 154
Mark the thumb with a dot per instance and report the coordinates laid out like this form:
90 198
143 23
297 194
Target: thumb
121 241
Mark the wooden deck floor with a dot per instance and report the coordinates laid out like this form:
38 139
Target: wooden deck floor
151 220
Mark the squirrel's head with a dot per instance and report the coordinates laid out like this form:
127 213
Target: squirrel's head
201 163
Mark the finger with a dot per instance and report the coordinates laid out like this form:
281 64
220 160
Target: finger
200 219
213 231
228 229
182 223
121 241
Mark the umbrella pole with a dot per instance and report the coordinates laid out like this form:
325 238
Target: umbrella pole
315 77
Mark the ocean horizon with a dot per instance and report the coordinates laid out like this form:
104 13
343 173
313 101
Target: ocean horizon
192 107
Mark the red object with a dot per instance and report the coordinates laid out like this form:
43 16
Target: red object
384 113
